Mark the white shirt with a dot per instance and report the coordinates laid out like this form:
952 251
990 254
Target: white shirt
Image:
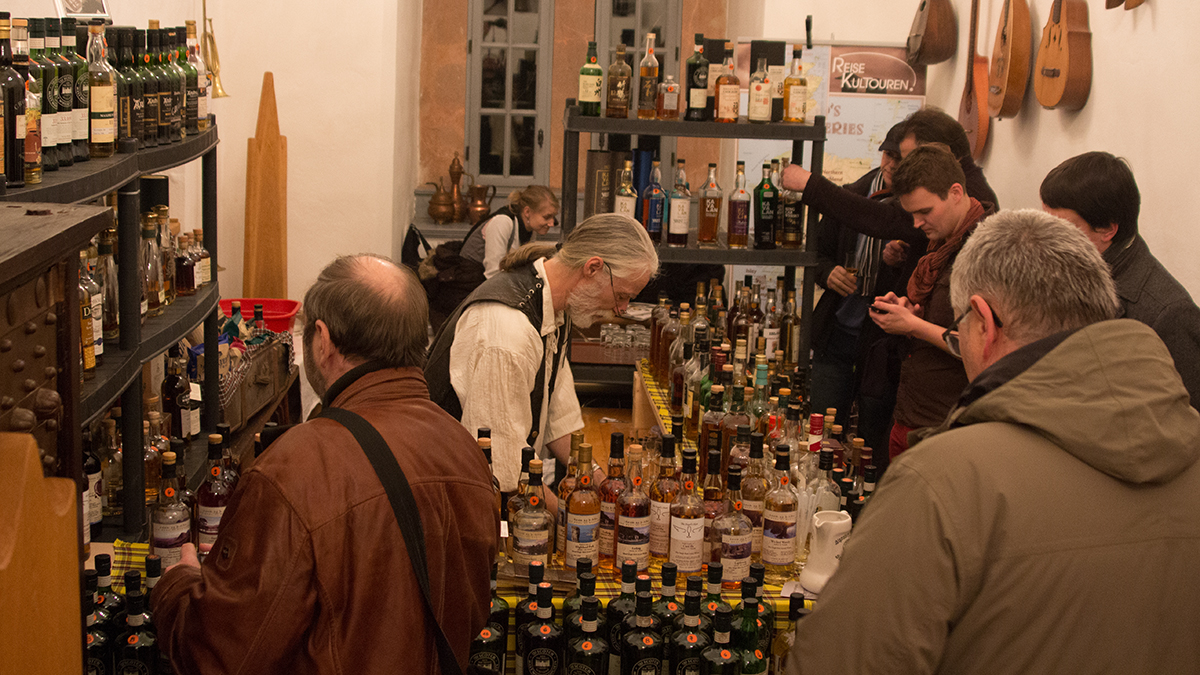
493 367
499 237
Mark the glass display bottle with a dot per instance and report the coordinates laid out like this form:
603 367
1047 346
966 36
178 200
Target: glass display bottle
63 87
611 489
177 394
191 88
143 42
621 607
633 520
739 210
710 425
713 492
152 290
489 652
151 458
583 514
12 84
668 99
739 450
185 267
205 272
795 92
667 607
663 493
729 91
642 647
212 498
202 76
760 93
95 297
591 81
517 500
779 523
755 486
766 610
178 77
619 92
754 659
750 592
654 200
80 111
90 503
542 638
648 82
102 97
47 73
732 534
687 521
625 199
781 648
711 199
758 408
734 418
171 526
588 654
685 648
166 87
30 72
766 209
126 133
113 471
681 209
106 272
98 648
696 84
531 536
526 610
134 650
571 603
573 623
723 657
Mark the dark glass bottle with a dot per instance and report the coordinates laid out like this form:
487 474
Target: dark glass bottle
763 630
30 73
153 574
46 72
134 127
178 82
135 651
112 602
149 78
654 202
685 649
622 606
542 638
211 498
713 601
499 610
754 659
666 607
781 648
696 84
489 652
191 90
591 82
517 501
611 489
766 211
588 654
71 44
92 472
177 395
527 608
696 585
573 624
98 658
722 658
631 621
713 491
574 600
641 645
165 90
13 86
230 465
766 610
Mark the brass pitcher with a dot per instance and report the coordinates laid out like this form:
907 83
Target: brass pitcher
460 200
481 202
441 204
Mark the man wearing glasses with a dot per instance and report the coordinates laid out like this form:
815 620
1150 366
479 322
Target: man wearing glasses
1049 524
930 185
500 362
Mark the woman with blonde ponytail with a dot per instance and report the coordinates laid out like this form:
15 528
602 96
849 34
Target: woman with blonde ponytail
533 210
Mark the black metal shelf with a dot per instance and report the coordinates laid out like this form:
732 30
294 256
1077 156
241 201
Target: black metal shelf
85 181
120 367
786 131
734 256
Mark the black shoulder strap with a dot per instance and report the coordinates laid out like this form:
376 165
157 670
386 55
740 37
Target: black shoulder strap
407 515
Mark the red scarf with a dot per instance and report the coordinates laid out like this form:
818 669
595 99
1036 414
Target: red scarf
939 254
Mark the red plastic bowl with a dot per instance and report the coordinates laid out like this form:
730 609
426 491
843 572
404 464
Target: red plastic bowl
279 314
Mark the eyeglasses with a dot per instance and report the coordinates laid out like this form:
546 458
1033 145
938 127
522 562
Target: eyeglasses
618 298
950 335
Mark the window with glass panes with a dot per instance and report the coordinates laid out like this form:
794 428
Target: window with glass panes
508 97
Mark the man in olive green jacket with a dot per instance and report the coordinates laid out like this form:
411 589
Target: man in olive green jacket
1051 524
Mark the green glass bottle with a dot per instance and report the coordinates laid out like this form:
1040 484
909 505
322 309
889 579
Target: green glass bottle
98 658
574 600
749 590
133 80
489 650
695 585
573 625
766 610
588 654
620 607
63 89
178 81
191 90
135 651
722 658
642 646
46 73
165 91
766 211
542 638
151 108
527 608
499 610
112 49
685 649
591 82
631 622
667 607
13 86
713 601
79 106
754 659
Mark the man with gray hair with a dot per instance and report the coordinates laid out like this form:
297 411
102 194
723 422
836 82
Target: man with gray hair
1050 523
310 572
500 360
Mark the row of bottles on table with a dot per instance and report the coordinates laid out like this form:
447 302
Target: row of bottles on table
169 266
637 633
766 218
73 92
119 631
709 91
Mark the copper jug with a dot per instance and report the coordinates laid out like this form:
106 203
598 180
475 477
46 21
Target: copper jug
441 204
481 202
460 200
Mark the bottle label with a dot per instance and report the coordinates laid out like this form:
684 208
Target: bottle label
618 93
103 113
797 96
608 526
193 418
727 101
193 102
97 317
202 101
772 336
561 526
739 217
648 666
542 661
660 528
760 101
687 543
33 134
94 493
681 217
530 545
735 556
698 97
79 116
775 76
168 540
624 205
648 91
754 511
633 540
779 537
652 213
589 88
581 537
22 129
208 521
714 72
485 662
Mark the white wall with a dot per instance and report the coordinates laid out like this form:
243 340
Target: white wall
1145 90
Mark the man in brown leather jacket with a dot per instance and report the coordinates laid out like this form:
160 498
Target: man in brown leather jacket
309 573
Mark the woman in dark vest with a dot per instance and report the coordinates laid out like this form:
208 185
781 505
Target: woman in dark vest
529 211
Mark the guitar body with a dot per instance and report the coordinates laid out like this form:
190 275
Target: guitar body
973 109
933 37
1062 75
1009 73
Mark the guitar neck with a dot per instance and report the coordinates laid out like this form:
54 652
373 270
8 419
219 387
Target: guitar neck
974 25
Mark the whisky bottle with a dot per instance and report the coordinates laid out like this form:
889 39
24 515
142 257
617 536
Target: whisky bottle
93 516
485 446
779 523
177 395
591 80
625 200
695 587
641 647
565 487
760 93
734 418
648 82
531 536
633 519
191 89
750 589
110 604
124 116
185 267
588 654
205 271
211 498
681 209
668 99
171 522
231 467
573 624
46 72
63 94
795 92
154 571
685 648
12 84
611 489
722 658
516 501
178 81
166 87
653 204
755 486
696 84
87 338
80 121
713 601
781 647
732 534
113 479
203 76
29 72
134 651
766 610
621 607
526 610
102 97
667 607
728 91
619 90
98 654
710 425
711 198
687 521
713 491
766 211
828 493
152 289
739 210
754 659
663 493
136 113
488 653
739 450
583 514
95 298
148 70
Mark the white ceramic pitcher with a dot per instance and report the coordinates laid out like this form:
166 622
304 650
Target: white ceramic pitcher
830 530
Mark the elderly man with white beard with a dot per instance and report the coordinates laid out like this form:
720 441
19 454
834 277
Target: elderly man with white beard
500 360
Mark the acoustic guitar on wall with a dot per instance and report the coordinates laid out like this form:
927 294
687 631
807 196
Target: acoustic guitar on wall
973 110
1062 75
1009 74
933 37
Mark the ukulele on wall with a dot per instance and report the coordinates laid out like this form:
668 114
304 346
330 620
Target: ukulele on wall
933 37
973 111
1062 76
1009 73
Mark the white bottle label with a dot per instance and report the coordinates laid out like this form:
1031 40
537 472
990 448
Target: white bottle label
561 527
671 98
608 526
589 88
103 113
697 98
624 206
775 76
208 521
526 542
660 528
772 336
194 420
83 508
168 540
760 101
754 511
687 543
62 122
715 70
797 101
22 126
581 537
98 322
735 556
727 101
633 540
95 491
779 537
79 124
681 214
202 104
